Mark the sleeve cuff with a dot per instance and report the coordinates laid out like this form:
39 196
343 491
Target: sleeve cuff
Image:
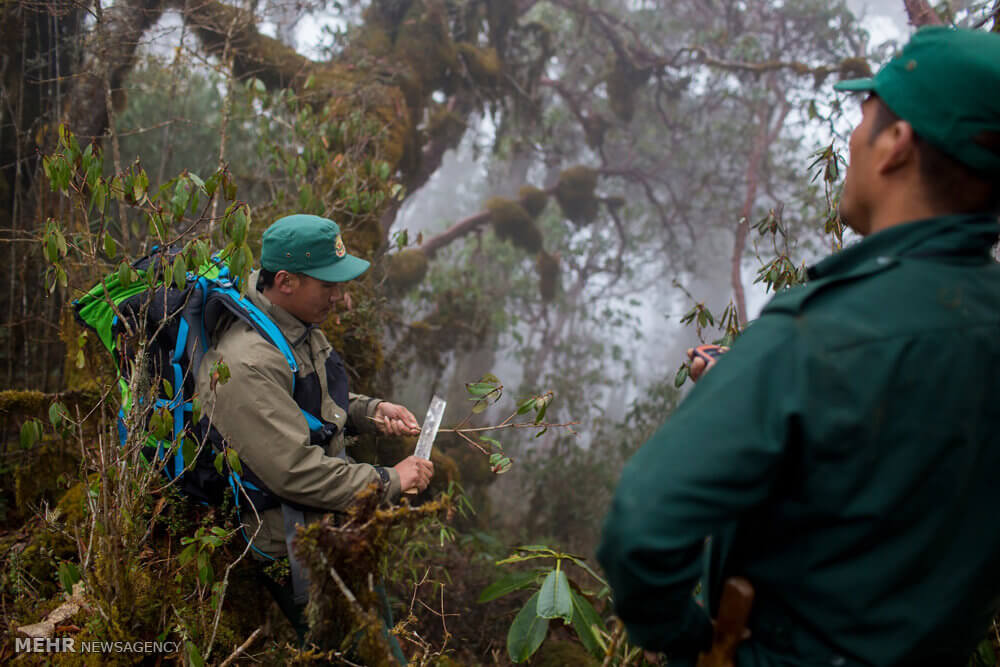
360 408
392 490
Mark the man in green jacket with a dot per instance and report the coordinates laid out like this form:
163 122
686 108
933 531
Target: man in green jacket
843 455
302 469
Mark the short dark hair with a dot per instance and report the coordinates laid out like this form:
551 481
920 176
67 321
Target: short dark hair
265 279
950 184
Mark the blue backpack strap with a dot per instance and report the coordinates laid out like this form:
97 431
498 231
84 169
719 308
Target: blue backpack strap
221 293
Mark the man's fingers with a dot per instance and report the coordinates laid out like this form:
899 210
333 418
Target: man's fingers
697 368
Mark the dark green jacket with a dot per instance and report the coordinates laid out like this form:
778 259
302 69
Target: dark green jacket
844 456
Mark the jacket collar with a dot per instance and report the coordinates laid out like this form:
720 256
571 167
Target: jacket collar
294 329
970 235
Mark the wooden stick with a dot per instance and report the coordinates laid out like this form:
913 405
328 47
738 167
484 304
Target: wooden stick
730 625
242 647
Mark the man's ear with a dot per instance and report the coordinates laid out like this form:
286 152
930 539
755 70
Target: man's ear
896 147
286 282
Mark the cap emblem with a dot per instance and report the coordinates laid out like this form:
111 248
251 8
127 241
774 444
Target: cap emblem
339 246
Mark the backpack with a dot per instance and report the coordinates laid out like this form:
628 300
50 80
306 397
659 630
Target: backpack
177 325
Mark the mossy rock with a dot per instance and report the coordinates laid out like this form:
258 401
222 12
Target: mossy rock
561 652
512 223
532 199
484 65
575 194
406 269
548 276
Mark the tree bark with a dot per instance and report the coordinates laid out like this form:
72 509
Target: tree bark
112 56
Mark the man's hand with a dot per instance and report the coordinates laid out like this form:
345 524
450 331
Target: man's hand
393 419
702 358
414 473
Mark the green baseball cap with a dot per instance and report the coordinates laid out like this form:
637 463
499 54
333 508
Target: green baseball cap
311 245
946 84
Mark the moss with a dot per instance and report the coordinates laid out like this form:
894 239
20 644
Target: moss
39 476
23 402
548 276
424 44
851 68
623 85
484 65
357 337
442 121
575 194
351 548
406 269
512 223
560 652
532 199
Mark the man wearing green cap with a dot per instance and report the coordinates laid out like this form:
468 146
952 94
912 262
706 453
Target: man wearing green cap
842 456
288 426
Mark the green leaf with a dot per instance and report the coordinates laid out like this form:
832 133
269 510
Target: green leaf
682 375
585 618
554 598
535 547
479 389
514 581
219 461
234 461
480 406
196 179
194 655
986 654
168 389
222 371
110 247
179 272
188 553
204 567
499 464
69 574
195 410
57 413
189 449
526 406
492 441
31 433
124 274
540 415
527 632
309 82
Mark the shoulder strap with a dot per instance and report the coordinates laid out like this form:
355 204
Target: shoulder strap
222 297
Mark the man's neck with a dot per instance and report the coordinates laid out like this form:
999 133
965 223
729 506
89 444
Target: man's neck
900 207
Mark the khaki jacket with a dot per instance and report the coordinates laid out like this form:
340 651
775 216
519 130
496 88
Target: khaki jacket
255 413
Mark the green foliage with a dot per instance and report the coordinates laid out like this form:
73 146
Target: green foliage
199 548
556 598
527 632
